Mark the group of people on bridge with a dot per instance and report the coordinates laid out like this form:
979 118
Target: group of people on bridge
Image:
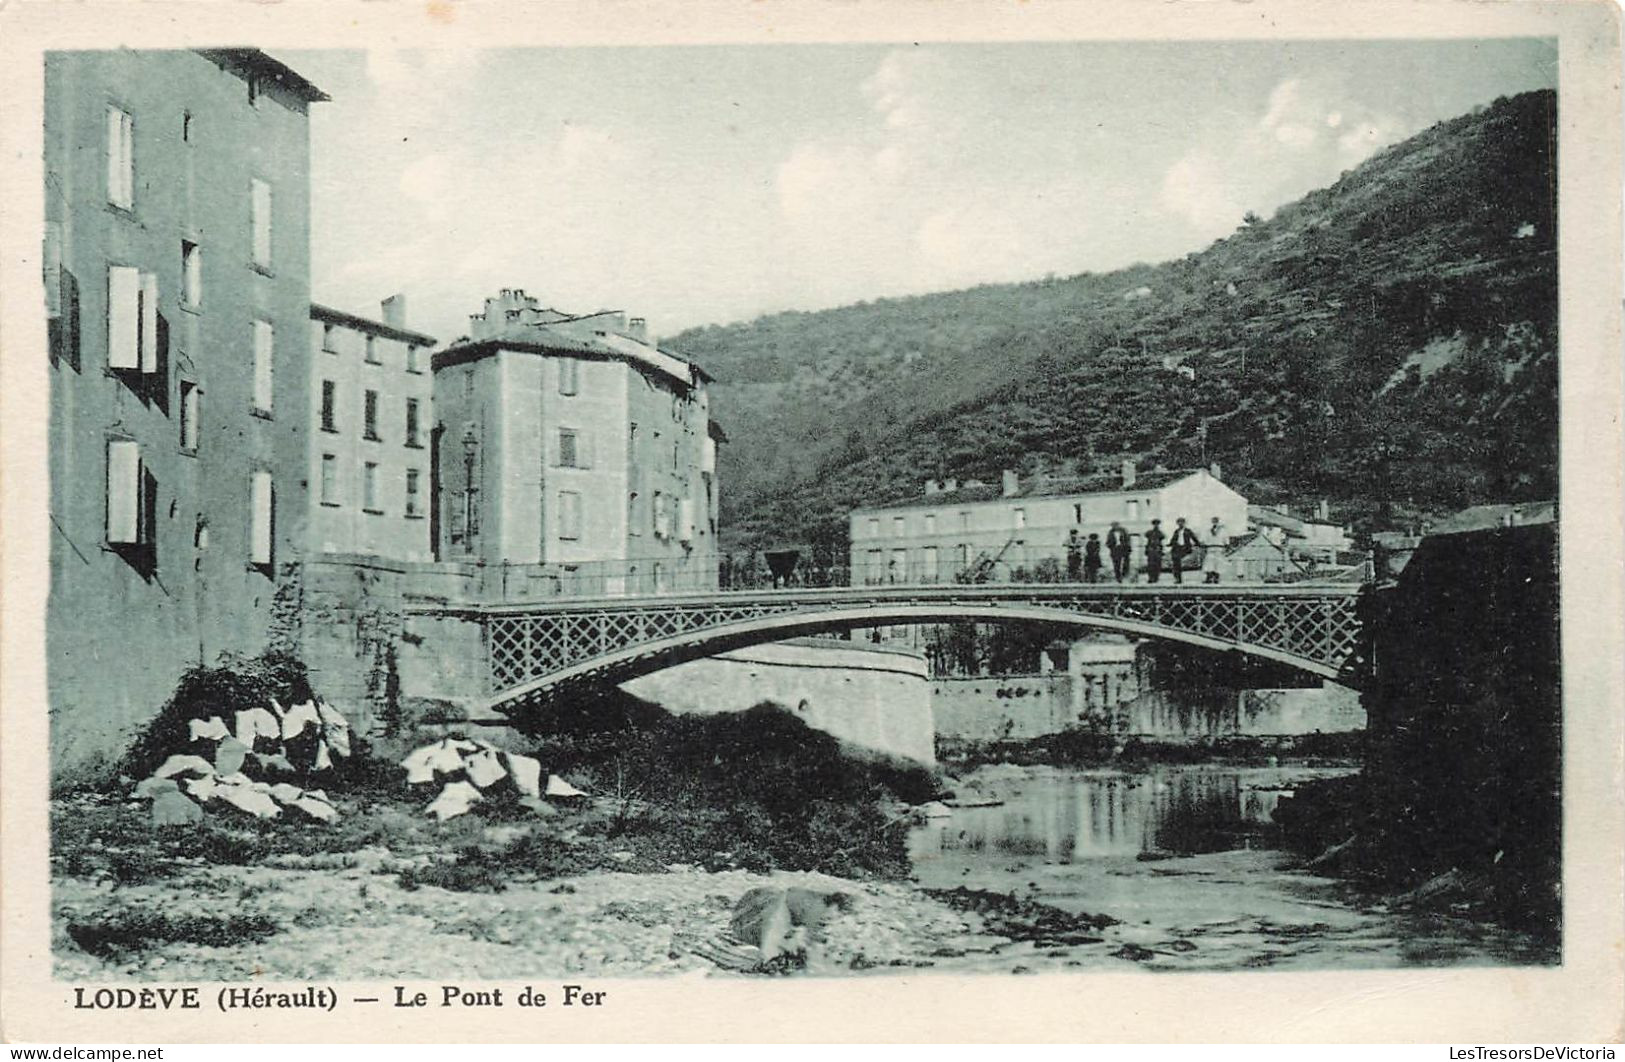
1183 549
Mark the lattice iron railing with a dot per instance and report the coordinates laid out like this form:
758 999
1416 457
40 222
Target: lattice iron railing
527 646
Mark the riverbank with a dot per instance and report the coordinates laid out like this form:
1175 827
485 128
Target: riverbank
1088 748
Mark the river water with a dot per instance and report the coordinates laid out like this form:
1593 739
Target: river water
1180 856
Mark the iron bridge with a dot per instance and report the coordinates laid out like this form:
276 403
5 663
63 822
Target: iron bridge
536 649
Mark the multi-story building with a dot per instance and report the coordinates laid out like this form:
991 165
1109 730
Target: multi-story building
1018 528
576 443
177 277
372 412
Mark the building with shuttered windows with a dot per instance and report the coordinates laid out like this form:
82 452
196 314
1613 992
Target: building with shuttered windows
177 292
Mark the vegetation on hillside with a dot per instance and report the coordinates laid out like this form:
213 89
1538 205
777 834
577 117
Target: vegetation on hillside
1388 343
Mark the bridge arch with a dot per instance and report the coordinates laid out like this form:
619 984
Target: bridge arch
646 657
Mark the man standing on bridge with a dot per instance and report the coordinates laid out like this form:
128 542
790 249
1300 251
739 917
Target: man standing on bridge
1074 556
1091 559
1182 545
1153 550
1118 546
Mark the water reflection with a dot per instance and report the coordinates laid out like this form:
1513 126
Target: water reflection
1069 817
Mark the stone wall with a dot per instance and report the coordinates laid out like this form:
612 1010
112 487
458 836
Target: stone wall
875 697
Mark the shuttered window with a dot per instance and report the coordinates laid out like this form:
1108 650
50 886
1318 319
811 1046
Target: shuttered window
191 274
260 208
369 487
120 158
124 492
123 317
262 505
330 479
569 515
264 357
412 493
189 413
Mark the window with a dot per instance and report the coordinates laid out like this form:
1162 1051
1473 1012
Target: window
263 506
186 127
260 208
412 438
412 508
632 438
658 521
569 515
330 479
874 528
964 521
574 451
1134 508
468 384
1021 518
928 570
120 159
369 487
372 350
930 523
569 381
330 338
126 498
330 401
189 415
899 527
264 355
191 274
414 358
254 92
369 415
632 527
132 319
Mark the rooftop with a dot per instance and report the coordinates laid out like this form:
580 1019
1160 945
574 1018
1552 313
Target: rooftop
319 312
547 339
254 61
1038 487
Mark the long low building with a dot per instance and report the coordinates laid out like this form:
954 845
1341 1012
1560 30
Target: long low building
1009 530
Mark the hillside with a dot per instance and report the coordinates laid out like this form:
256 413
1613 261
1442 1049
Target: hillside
1389 343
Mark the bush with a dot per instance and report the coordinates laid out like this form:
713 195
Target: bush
237 684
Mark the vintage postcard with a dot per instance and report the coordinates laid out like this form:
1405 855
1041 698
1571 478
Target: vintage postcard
807 522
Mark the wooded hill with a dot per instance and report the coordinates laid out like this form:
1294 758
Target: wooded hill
1388 343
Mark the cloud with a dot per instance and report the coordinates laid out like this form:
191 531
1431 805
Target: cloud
1305 136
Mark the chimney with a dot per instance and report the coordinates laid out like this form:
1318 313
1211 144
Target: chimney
394 309
1214 470
932 486
1323 512
1012 482
638 329
1128 472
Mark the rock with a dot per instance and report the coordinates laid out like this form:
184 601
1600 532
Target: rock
316 809
248 798
324 758
526 772
299 717
256 725
174 809
211 729
558 787
283 793
484 768
455 799
203 789
182 764
270 761
155 786
1182 945
229 756
1134 953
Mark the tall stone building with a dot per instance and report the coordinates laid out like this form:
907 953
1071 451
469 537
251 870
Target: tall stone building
372 412
578 444
177 264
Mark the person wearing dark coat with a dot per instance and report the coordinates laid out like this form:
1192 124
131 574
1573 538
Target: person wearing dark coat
1091 559
1074 555
1181 546
1117 545
1153 550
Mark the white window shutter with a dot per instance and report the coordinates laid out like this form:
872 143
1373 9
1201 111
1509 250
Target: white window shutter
123 318
261 207
123 491
584 449
149 322
260 537
53 270
264 351
686 528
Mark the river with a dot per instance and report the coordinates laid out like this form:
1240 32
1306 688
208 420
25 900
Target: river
1181 857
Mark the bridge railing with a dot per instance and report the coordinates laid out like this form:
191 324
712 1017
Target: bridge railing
753 573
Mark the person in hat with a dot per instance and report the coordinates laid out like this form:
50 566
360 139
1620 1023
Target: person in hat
1154 539
1117 544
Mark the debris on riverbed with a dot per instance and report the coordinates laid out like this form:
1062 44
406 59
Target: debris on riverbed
472 770
245 766
1024 920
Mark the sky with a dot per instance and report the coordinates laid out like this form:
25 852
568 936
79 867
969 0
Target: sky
701 185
